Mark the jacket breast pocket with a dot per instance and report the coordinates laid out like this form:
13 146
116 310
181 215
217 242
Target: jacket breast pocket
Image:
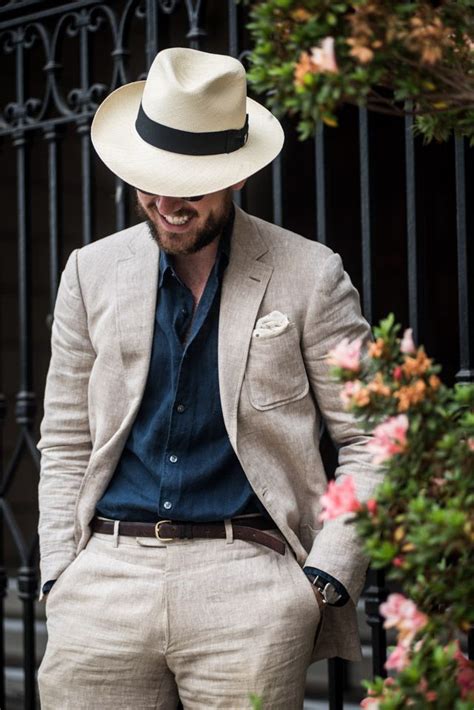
276 373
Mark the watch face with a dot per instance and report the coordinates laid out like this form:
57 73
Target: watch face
328 590
331 595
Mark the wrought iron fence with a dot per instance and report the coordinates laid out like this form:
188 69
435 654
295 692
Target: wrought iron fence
369 190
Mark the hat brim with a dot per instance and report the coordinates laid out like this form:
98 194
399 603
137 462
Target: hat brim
161 172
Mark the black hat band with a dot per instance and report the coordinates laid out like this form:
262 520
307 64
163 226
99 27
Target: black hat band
187 143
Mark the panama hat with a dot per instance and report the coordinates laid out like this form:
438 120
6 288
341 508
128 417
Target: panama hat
189 129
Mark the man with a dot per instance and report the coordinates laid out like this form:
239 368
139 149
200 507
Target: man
181 477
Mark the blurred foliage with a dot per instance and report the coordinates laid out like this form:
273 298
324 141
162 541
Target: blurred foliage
310 56
420 524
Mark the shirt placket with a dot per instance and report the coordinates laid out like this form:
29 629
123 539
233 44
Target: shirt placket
187 328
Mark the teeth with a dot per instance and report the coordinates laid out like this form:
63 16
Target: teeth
176 220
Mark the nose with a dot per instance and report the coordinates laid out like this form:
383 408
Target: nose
168 205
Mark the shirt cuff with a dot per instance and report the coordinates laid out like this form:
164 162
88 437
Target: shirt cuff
47 585
340 588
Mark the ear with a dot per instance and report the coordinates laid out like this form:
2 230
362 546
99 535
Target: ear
238 185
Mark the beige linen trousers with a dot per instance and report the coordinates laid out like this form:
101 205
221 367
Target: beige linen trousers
274 391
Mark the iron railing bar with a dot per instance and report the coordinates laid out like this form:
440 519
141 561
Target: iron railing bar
41 14
277 191
320 163
466 347
31 446
3 571
15 532
12 6
336 669
374 595
195 33
366 213
51 137
414 280
27 591
48 124
86 180
11 467
32 551
151 32
233 29
121 205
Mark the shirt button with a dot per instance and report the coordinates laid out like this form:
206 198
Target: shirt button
167 505
173 458
180 408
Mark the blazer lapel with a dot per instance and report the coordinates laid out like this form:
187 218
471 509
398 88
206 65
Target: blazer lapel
243 288
136 288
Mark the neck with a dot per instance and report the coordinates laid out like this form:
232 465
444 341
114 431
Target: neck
194 269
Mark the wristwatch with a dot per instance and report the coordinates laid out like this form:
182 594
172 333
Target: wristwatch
328 591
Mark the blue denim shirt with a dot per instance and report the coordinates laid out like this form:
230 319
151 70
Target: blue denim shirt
178 461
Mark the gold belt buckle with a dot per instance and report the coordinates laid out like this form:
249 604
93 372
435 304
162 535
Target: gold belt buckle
157 531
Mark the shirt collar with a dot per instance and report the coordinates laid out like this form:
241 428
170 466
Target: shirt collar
222 258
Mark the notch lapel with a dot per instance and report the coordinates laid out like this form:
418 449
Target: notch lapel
136 288
244 285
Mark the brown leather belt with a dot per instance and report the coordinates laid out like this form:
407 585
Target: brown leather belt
249 529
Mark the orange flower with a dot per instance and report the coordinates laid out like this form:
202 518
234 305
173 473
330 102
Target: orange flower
411 394
416 365
301 15
319 60
434 382
428 36
361 397
303 67
377 386
360 51
377 349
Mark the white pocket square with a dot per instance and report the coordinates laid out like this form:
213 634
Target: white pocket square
270 325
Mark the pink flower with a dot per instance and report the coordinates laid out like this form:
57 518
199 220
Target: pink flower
465 674
430 695
470 443
398 561
389 438
346 354
407 345
371 506
398 659
405 616
339 498
370 703
323 57
397 373
349 390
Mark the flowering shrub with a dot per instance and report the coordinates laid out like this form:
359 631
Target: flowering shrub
310 56
420 523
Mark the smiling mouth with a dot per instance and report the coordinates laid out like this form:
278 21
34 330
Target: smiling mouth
176 221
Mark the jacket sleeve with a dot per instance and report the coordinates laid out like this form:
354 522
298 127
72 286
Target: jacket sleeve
335 314
65 442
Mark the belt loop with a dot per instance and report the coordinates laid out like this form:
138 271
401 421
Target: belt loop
116 532
229 531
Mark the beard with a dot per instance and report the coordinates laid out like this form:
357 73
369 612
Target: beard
175 243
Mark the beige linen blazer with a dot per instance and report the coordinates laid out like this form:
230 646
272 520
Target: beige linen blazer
274 391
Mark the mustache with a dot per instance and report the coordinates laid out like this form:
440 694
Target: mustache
141 212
